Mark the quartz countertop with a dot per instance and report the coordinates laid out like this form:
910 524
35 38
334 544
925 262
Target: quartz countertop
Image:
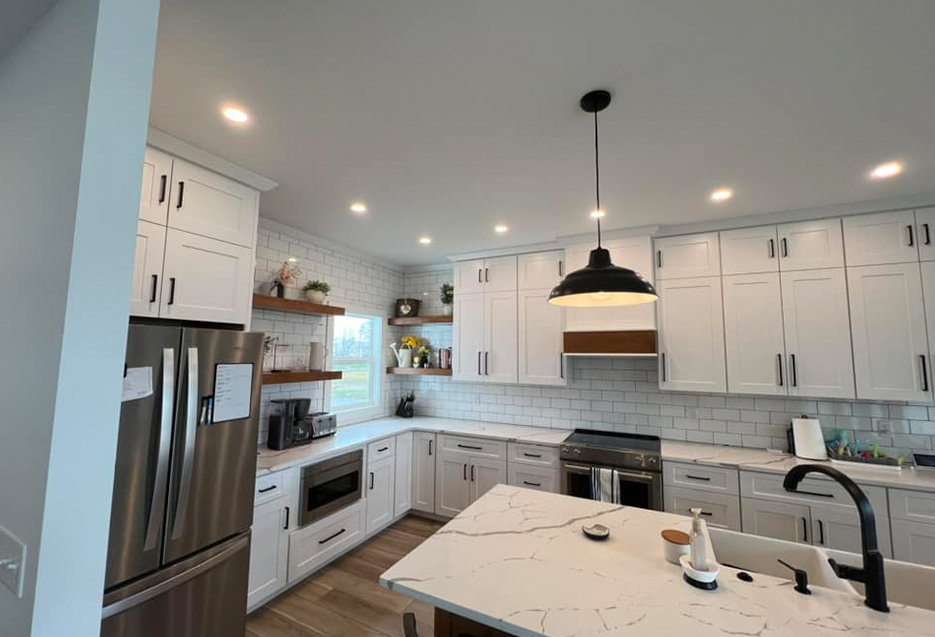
350 437
516 560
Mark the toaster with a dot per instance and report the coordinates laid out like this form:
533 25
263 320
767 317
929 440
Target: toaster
322 424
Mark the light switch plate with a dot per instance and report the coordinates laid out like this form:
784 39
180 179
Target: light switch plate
12 561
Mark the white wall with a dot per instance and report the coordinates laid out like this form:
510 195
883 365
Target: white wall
74 100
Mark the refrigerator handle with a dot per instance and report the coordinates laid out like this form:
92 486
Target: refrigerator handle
188 458
154 526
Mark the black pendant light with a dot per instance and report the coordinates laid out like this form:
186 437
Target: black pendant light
601 283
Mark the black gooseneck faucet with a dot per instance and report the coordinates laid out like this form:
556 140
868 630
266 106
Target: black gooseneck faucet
871 575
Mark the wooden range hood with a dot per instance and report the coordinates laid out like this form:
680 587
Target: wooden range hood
616 343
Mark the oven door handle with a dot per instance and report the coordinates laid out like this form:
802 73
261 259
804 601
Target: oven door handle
578 468
642 476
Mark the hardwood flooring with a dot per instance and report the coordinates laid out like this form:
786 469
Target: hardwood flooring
345 598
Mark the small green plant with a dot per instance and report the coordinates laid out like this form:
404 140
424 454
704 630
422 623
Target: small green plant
317 286
447 293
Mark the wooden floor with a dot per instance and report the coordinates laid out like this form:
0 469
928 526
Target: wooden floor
345 598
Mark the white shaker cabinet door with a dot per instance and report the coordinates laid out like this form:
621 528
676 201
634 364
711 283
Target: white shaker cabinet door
380 490
403 483
925 229
749 250
807 245
268 552
485 474
891 356
914 542
753 334
540 269
155 190
779 520
691 335
469 277
836 529
818 333
468 337
540 339
423 471
693 255
881 238
203 202
147 269
500 274
206 279
500 336
452 488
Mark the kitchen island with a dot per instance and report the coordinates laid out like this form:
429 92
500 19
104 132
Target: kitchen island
516 561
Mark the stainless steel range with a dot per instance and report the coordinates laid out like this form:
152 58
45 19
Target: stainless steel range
619 467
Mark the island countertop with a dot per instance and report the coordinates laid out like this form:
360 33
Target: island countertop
516 560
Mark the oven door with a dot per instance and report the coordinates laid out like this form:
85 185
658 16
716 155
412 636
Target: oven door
331 485
641 489
576 480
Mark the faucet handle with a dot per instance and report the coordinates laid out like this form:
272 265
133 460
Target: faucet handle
801 577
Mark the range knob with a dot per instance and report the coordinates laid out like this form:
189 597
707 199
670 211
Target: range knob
653 460
564 449
576 450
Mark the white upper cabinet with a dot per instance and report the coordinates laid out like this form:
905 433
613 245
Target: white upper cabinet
810 245
147 269
203 202
877 239
749 250
540 339
890 343
154 194
928 289
693 255
753 334
634 253
469 277
925 225
468 336
819 359
205 279
485 275
540 270
500 336
691 335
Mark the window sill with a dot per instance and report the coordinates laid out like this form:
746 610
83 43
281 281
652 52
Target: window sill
359 414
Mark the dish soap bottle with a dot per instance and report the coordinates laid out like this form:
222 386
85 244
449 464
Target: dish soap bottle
699 548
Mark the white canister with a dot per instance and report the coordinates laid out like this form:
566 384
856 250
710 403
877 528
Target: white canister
316 357
675 544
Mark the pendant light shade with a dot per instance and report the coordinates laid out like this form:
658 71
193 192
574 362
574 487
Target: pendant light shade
601 283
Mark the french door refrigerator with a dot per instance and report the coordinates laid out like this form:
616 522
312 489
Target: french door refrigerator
179 548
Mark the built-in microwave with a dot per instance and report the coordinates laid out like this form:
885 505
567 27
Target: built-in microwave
330 485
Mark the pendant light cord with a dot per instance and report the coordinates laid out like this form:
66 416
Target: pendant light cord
597 178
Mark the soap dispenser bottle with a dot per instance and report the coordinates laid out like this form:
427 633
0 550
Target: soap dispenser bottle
699 547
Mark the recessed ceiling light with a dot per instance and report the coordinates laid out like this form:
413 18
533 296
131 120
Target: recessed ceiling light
358 208
887 170
500 228
722 194
598 214
235 114
425 240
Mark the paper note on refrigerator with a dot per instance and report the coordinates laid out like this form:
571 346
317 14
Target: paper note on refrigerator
137 383
233 386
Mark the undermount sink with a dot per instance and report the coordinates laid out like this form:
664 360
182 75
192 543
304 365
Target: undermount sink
909 584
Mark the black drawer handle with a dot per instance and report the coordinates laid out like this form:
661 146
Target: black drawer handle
267 489
702 478
162 188
382 449
532 455
472 448
705 513
181 195
331 537
532 484
812 493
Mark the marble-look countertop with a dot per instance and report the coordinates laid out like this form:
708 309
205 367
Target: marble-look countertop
516 560
349 437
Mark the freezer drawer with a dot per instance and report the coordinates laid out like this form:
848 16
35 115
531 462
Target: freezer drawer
200 596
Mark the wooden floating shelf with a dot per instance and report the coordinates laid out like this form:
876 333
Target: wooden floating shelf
278 378
419 320
264 302
419 371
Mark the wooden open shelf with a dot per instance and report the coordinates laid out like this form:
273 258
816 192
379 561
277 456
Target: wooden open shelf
418 371
277 378
419 320
264 302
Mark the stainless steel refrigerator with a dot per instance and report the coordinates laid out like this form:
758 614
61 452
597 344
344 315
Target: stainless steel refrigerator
179 548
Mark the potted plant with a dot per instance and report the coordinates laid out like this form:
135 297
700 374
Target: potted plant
288 273
447 297
422 356
316 291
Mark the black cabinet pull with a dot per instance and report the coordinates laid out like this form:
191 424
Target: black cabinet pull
286 528
785 247
331 537
382 449
181 194
702 478
821 532
478 276
152 292
371 480
816 494
804 530
793 371
561 269
471 447
772 249
658 258
162 188
532 455
268 489
925 373
779 358
486 363
472 473
430 446
706 513
171 291
464 472
912 240
478 363
928 235
532 484
486 275
664 367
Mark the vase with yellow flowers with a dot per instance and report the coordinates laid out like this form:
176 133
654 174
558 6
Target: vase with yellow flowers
404 352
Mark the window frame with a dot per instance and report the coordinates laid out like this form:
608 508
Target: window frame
374 407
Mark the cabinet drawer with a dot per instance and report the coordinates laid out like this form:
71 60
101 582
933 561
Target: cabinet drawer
810 491
537 478
269 487
535 455
381 449
477 447
315 545
700 477
718 509
912 506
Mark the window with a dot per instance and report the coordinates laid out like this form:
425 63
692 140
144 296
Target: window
356 349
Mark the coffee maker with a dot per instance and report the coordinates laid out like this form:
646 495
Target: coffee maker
288 427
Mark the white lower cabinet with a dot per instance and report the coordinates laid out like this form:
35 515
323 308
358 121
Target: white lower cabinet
462 477
452 489
717 509
316 544
836 529
403 482
423 471
779 520
536 478
268 551
914 542
485 474
379 492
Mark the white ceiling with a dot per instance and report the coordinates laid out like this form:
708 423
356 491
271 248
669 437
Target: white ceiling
447 116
